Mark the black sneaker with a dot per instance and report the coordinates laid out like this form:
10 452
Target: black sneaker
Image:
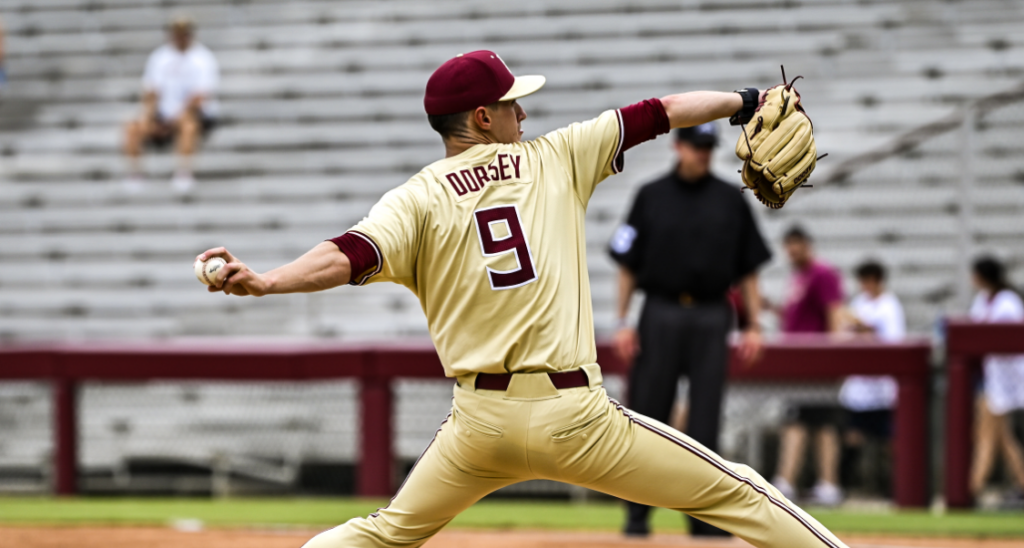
637 530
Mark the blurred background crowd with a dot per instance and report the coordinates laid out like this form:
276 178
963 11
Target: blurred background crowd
134 134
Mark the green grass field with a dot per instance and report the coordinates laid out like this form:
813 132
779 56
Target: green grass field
494 514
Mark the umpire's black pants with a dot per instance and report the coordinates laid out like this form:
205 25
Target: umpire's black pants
678 340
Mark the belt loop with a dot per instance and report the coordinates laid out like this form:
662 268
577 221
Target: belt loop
594 378
467 381
531 386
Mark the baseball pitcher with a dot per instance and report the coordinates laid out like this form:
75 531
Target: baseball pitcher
491 240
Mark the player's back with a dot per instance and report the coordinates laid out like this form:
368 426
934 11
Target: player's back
492 242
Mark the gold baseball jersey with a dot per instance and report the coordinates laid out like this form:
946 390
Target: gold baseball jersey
492 243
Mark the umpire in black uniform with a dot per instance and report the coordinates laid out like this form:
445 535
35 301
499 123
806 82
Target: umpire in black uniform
689 238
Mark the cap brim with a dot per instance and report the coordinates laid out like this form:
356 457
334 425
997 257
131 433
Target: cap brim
523 86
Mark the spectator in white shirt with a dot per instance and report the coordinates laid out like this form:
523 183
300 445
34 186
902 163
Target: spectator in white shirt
1003 389
869 400
876 312
179 104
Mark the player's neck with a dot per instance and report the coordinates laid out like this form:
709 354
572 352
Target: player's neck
455 145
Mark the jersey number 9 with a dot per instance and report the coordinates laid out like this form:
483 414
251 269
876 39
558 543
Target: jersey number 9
512 239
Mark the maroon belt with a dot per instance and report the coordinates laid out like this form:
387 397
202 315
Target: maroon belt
567 379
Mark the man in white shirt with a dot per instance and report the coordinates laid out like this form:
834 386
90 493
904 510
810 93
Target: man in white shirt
178 103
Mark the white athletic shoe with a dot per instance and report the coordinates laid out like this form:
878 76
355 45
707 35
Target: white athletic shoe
784 487
826 494
183 182
132 184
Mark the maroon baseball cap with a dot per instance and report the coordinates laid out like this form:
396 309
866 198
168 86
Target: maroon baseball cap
475 79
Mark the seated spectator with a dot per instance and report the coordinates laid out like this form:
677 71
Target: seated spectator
178 104
814 305
869 400
1003 388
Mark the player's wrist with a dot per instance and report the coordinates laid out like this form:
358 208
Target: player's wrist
265 284
622 323
750 98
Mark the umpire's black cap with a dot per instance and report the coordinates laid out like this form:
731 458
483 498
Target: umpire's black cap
704 135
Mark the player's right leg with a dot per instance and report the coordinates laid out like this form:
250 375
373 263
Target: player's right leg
460 466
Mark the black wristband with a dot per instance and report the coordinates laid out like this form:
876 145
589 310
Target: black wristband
743 115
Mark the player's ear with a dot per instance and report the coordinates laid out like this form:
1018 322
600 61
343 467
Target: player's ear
482 118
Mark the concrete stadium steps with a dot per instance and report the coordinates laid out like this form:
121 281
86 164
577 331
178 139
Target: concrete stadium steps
283 190
322 113
169 268
76 328
310 150
897 208
151 419
197 217
157 191
421 25
326 15
315 59
117 313
681 75
338 124
184 246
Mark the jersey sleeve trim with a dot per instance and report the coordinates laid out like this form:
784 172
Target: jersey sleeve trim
618 160
639 123
363 253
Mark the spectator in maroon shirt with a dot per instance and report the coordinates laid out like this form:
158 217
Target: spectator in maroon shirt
815 298
813 305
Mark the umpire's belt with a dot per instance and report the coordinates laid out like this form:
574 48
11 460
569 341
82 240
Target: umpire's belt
689 299
563 380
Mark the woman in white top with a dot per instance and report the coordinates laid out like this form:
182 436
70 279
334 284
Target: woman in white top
1003 389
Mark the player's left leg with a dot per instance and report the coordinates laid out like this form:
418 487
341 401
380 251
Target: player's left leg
469 457
648 462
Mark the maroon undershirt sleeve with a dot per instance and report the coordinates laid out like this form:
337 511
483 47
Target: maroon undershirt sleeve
642 122
360 253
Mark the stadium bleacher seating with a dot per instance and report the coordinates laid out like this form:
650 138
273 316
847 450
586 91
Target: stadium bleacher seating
322 113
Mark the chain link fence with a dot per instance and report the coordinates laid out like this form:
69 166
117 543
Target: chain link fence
228 438
26 437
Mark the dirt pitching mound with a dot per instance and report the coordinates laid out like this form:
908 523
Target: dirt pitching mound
155 537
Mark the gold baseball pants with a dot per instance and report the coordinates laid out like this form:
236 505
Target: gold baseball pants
578 435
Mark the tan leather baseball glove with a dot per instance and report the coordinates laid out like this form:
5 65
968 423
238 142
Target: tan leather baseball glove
777 146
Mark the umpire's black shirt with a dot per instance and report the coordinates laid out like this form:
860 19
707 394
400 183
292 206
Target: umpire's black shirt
697 238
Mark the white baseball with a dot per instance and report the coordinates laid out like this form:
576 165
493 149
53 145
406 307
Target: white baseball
206 271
